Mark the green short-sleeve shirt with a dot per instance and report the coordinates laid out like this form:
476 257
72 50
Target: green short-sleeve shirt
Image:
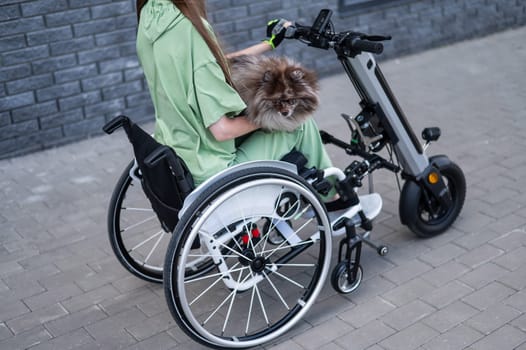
187 87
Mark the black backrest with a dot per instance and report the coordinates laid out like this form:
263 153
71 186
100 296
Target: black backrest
166 180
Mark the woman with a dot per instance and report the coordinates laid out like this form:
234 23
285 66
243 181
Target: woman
196 107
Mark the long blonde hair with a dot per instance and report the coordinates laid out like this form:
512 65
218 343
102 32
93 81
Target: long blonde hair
195 11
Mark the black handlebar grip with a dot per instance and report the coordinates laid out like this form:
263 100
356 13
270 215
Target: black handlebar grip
368 46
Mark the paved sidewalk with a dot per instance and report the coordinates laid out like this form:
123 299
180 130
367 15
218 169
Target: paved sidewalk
62 288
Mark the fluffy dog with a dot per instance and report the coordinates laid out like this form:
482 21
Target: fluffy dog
280 94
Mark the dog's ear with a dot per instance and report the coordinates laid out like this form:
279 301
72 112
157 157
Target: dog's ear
267 76
297 74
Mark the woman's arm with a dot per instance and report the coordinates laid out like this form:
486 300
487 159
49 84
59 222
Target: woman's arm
257 49
266 45
230 128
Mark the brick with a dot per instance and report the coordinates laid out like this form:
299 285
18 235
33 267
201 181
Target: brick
40 7
27 84
111 10
5 118
116 37
99 54
67 17
111 107
34 110
21 26
58 119
122 63
13 42
72 45
84 127
9 12
15 101
94 27
75 73
25 55
101 81
84 3
15 72
58 90
133 74
126 21
121 90
49 35
82 99
53 64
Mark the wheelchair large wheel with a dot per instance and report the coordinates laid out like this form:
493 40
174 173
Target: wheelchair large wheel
135 233
258 289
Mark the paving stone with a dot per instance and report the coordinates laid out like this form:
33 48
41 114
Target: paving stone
366 312
75 321
457 338
480 255
410 338
442 254
488 295
513 259
408 314
34 319
493 318
151 326
4 332
161 341
450 316
365 336
445 273
506 337
518 301
407 292
447 294
67 341
27 339
409 270
323 333
52 296
90 298
483 275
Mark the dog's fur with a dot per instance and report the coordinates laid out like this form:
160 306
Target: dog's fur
280 94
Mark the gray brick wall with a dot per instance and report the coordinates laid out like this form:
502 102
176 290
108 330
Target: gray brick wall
67 66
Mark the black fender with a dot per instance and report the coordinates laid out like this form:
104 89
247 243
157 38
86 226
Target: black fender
407 204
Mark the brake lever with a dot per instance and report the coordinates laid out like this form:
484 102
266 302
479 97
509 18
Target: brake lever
376 37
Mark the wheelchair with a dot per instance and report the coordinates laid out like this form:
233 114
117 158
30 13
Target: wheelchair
245 254
251 249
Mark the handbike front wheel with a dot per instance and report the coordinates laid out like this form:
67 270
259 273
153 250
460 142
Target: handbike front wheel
258 290
424 215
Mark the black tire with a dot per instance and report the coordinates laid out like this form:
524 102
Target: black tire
413 207
136 236
263 279
339 278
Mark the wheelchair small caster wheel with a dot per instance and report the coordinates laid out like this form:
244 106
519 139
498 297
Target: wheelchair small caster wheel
383 250
339 279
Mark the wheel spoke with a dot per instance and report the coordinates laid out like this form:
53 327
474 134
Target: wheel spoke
137 209
154 247
286 278
145 241
219 274
139 223
261 304
276 290
231 304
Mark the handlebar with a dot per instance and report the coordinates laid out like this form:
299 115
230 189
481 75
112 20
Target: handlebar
347 43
